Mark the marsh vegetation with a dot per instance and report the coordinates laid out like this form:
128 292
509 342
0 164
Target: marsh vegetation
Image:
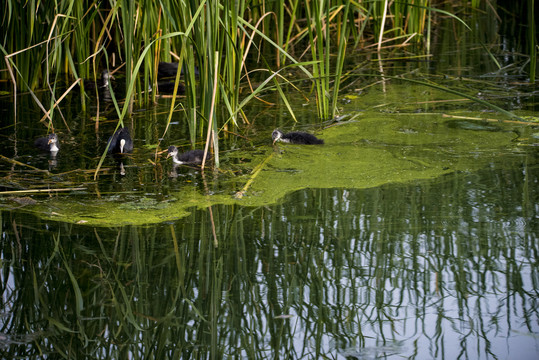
410 233
232 54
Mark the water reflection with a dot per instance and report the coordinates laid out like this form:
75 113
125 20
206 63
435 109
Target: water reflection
441 269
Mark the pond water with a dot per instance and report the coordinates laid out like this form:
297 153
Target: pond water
411 233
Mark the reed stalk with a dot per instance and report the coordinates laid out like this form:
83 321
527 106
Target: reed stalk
532 39
320 44
341 53
325 72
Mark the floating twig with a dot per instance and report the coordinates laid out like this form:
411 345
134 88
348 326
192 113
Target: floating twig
37 191
255 173
12 161
490 120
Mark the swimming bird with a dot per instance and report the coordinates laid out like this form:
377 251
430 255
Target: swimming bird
295 137
169 69
48 143
103 82
167 87
193 157
120 142
166 69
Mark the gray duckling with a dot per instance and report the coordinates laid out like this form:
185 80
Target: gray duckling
169 69
295 137
103 82
191 157
48 143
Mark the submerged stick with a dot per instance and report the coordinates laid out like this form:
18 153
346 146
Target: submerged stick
37 191
12 161
458 93
255 173
490 120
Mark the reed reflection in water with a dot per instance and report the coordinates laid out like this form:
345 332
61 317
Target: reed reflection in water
439 269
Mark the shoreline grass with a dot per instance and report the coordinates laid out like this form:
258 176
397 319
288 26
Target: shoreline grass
227 43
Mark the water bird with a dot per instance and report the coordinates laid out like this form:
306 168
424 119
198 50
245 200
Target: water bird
169 69
295 137
166 69
120 142
102 82
48 143
167 87
192 157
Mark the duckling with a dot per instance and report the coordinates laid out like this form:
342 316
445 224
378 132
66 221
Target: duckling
169 69
166 69
120 142
295 137
193 157
167 87
48 143
103 82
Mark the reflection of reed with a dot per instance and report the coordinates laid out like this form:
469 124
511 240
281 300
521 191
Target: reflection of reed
425 270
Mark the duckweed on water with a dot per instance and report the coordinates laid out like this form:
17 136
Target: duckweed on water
366 153
144 203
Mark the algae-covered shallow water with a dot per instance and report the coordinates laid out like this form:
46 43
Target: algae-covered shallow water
368 151
411 233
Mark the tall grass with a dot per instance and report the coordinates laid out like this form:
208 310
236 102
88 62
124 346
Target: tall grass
228 42
320 15
532 39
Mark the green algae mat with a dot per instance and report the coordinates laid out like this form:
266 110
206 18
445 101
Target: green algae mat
363 153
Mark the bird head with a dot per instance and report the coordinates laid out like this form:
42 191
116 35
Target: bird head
172 151
276 135
105 77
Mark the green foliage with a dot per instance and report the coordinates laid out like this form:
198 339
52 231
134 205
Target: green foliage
232 44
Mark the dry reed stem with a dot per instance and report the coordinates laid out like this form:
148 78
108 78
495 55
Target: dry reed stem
59 100
38 191
255 173
211 135
382 25
489 120
12 161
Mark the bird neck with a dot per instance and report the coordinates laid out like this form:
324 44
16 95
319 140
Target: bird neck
175 160
54 147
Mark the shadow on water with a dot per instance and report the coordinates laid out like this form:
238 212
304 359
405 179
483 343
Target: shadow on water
431 269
